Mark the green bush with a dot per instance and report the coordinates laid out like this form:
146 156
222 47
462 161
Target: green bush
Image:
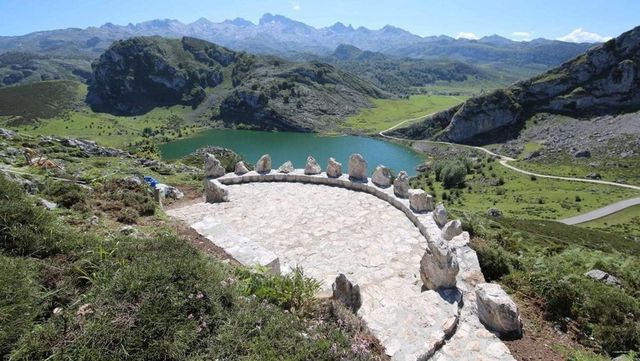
495 262
66 194
24 228
453 174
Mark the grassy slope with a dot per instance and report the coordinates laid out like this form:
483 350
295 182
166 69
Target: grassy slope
626 222
520 196
389 112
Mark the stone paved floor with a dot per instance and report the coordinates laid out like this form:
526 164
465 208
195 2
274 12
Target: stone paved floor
330 230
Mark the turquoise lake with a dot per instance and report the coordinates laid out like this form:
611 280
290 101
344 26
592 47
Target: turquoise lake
283 146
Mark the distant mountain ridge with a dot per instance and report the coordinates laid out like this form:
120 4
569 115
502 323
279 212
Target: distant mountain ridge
603 81
276 34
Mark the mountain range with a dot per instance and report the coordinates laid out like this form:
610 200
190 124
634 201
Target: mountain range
276 34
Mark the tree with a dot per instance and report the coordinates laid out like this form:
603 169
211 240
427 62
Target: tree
453 174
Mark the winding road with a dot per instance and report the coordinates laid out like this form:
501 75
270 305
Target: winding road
504 160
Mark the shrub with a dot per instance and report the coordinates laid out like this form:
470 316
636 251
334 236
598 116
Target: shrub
24 228
66 194
495 262
453 174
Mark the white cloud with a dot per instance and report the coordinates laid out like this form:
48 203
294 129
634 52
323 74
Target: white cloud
295 5
581 36
522 35
470 36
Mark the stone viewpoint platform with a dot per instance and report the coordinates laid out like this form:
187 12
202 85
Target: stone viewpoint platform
418 278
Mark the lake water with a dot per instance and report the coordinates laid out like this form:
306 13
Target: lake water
283 146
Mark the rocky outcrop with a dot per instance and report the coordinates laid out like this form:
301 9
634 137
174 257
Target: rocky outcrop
312 167
212 167
401 185
334 168
497 311
347 293
440 215
357 167
604 277
381 176
264 164
438 266
604 80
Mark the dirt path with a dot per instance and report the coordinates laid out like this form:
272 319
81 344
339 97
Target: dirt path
503 160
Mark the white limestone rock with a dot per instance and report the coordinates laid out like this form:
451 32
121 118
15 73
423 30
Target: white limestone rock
334 168
452 229
420 201
497 311
603 277
215 192
401 185
241 168
286 167
438 266
264 164
347 293
381 176
212 167
312 167
357 168
440 215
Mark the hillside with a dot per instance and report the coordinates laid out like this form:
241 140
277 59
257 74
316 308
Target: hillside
25 68
603 81
136 75
276 34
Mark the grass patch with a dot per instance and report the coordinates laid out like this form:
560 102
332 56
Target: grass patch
626 222
389 112
26 104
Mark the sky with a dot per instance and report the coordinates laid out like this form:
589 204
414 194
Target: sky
570 20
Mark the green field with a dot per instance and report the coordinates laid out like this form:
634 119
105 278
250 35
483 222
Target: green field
521 196
626 222
389 112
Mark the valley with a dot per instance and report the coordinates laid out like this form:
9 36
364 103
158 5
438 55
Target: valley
514 138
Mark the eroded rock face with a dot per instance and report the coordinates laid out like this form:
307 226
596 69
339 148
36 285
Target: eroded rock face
215 192
286 167
440 215
451 229
312 167
381 176
401 185
357 167
347 293
334 168
212 167
497 311
240 168
264 164
420 201
438 266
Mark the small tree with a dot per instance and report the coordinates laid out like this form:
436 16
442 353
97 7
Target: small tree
453 174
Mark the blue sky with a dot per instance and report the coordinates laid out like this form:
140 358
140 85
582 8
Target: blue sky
516 19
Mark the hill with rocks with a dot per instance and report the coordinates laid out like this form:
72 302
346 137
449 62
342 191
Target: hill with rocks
26 68
136 75
603 81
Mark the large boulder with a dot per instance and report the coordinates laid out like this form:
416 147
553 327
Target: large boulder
240 168
497 311
264 164
357 168
286 167
401 185
347 293
438 266
334 168
212 167
452 229
312 167
381 176
420 201
215 192
440 215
